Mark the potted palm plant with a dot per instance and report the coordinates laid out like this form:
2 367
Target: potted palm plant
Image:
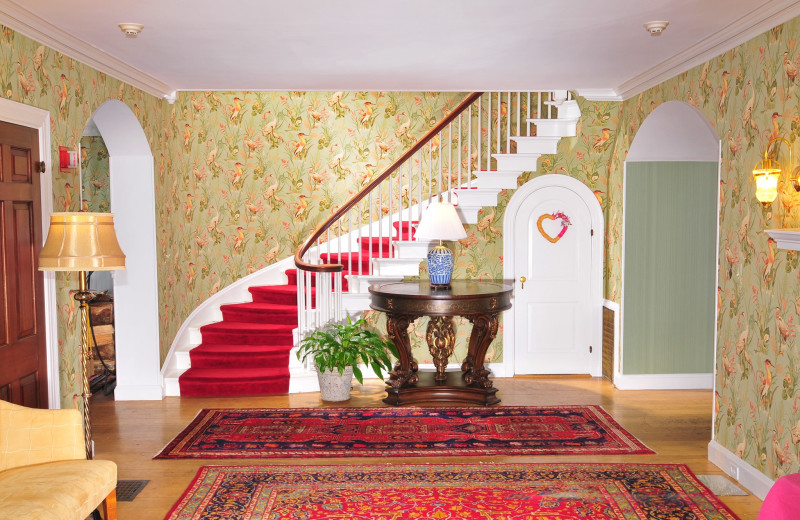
338 349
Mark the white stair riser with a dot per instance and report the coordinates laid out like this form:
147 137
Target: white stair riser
537 144
195 336
412 250
360 284
516 161
500 180
555 127
183 360
396 266
477 197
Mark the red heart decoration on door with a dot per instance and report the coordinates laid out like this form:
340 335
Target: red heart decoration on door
544 233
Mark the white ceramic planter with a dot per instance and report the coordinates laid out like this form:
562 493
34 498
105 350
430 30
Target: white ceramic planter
335 387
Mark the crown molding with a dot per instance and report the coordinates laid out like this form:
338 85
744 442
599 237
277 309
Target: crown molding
744 29
25 22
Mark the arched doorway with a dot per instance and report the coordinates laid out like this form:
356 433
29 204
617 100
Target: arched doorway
671 223
565 267
135 288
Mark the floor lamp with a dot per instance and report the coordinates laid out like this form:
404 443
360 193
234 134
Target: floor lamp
82 242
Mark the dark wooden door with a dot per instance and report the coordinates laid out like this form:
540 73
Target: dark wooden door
23 356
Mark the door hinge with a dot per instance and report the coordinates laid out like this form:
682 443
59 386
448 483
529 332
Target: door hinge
40 167
590 349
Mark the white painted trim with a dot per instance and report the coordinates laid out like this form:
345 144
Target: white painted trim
716 284
620 359
762 18
39 29
748 476
700 123
138 393
599 94
696 141
617 368
132 186
785 238
509 276
32 117
664 381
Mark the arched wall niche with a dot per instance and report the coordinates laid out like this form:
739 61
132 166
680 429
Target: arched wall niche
672 169
132 195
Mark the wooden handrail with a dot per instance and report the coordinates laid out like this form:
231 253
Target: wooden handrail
334 268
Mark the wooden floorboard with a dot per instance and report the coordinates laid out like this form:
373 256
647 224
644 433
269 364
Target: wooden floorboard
674 423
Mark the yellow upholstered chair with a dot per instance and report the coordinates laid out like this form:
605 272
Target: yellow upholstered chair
44 474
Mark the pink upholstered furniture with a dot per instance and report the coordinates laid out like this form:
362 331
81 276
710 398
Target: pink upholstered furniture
783 500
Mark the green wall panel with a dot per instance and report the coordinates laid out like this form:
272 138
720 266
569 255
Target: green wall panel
670 267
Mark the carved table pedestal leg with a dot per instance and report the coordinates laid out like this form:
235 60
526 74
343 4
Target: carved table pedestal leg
484 329
405 370
441 339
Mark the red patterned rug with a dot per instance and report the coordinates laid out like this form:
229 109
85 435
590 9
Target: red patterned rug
453 491
401 432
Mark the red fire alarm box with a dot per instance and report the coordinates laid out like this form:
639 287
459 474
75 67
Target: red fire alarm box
67 159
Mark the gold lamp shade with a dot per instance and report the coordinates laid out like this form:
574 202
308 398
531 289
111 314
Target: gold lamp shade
81 241
766 174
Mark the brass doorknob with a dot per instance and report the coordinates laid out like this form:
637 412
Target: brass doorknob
522 280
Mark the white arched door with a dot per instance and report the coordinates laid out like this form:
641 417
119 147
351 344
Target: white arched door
553 229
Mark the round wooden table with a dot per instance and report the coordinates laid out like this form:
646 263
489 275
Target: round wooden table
479 302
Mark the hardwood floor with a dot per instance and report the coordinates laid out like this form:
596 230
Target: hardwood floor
674 423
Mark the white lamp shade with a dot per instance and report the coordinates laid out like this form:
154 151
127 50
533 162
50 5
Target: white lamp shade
440 222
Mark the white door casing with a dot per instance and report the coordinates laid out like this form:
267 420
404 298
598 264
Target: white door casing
557 316
32 117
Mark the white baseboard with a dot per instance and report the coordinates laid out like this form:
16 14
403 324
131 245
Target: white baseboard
138 393
664 381
748 476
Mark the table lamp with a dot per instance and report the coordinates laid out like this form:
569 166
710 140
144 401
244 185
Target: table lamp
82 242
440 222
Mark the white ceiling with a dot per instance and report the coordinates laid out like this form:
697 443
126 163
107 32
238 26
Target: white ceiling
599 48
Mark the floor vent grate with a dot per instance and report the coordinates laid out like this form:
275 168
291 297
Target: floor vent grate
128 489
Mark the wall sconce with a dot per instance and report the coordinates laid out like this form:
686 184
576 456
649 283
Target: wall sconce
767 172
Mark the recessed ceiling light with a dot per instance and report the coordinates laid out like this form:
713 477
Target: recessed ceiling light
656 28
131 30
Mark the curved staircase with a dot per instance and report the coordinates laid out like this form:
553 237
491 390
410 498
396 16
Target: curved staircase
232 346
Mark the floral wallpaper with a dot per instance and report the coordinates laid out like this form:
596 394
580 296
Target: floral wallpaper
36 75
480 255
95 175
242 177
749 95
251 174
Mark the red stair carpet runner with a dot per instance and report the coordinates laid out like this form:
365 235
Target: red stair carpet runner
450 492
247 353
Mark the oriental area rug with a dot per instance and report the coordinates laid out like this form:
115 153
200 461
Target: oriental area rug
453 491
401 432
